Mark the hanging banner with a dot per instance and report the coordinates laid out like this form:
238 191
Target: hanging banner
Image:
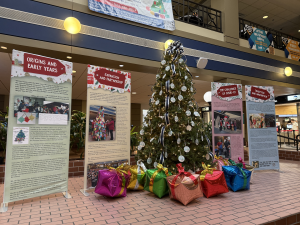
262 133
38 137
155 13
227 112
291 49
260 40
107 141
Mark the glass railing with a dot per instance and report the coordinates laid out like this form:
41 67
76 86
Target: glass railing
196 14
277 35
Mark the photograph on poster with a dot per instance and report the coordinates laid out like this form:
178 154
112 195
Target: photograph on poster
270 120
20 135
26 118
227 122
93 169
27 104
102 124
257 120
223 147
255 164
55 108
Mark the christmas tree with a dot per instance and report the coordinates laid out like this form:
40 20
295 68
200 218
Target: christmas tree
173 131
99 126
20 136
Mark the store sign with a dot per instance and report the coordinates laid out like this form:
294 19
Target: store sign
228 91
110 78
157 13
260 40
293 97
43 65
292 49
259 93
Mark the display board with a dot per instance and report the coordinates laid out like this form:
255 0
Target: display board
155 13
37 156
260 40
291 49
262 134
107 140
227 120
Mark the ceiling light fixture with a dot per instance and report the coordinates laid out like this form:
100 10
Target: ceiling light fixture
3 47
265 17
167 43
72 25
121 65
288 71
298 30
134 93
207 96
73 71
69 57
197 76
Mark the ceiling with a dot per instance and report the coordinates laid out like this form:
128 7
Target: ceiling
283 15
141 83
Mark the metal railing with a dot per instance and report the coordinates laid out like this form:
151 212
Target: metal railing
197 14
277 35
290 138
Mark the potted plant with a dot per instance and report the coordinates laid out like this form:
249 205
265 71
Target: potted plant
3 134
133 140
77 132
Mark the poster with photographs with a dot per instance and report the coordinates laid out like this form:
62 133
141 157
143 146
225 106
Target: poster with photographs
261 124
227 109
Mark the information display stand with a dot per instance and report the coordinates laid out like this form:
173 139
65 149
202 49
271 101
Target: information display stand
107 140
227 120
38 136
262 133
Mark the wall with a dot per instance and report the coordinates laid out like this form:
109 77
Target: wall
4 99
285 110
136 115
76 105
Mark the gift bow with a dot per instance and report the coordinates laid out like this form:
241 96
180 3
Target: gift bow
120 170
221 158
207 170
240 166
241 161
181 173
159 167
139 173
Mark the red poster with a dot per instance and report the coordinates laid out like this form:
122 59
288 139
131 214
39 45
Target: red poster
110 78
228 91
259 93
43 65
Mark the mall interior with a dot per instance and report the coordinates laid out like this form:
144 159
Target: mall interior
211 30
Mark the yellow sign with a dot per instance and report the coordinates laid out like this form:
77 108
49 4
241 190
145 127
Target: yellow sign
293 49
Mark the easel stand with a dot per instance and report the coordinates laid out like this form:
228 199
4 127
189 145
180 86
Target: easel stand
83 191
4 207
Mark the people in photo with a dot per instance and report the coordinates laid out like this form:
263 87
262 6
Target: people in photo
111 127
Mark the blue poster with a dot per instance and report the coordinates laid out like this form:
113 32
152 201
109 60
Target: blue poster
259 39
155 13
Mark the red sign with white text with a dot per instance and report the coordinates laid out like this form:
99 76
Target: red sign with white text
43 65
110 78
228 91
259 93
118 5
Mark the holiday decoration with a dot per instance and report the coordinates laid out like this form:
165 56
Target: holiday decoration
99 126
113 182
137 178
237 178
20 136
184 186
178 108
156 182
251 169
220 162
212 182
240 160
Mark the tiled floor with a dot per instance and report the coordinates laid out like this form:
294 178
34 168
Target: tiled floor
273 195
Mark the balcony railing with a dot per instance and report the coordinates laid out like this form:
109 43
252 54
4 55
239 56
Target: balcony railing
277 36
196 14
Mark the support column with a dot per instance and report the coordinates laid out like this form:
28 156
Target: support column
230 19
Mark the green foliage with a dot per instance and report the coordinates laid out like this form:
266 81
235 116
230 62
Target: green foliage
77 132
155 120
3 131
133 140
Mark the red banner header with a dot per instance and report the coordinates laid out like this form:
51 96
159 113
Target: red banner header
110 78
259 93
228 91
43 65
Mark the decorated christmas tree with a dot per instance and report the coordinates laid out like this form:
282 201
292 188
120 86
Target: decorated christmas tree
99 126
173 131
20 136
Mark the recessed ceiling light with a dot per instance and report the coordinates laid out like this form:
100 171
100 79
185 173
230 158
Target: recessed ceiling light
134 93
265 17
121 65
197 76
298 30
73 71
69 57
3 47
